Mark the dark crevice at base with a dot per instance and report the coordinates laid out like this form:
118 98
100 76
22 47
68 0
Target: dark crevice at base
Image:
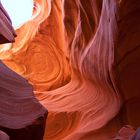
35 131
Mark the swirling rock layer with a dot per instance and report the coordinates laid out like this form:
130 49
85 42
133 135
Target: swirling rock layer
76 54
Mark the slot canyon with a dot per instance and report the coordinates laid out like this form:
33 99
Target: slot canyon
70 70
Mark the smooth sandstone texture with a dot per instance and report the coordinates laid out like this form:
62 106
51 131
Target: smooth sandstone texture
3 136
21 115
34 131
128 60
82 59
7 33
18 106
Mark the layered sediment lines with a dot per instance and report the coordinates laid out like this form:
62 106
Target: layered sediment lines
67 53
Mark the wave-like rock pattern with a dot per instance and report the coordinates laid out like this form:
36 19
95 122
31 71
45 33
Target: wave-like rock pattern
67 53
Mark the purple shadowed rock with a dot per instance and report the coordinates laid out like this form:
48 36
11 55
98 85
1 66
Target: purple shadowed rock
125 133
3 136
22 117
7 33
136 136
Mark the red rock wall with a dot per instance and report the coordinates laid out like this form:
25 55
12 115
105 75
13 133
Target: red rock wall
127 60
77 55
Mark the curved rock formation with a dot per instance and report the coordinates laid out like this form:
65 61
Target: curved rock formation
7 33
3 136
80 56
20 111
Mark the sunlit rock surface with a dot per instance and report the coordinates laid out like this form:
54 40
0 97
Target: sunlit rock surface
82 59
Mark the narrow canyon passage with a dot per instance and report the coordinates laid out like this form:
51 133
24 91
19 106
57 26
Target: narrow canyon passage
82 59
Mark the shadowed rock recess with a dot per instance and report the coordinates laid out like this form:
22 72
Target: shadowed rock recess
22 117
82 60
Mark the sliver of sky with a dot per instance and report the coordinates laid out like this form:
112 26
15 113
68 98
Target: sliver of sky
20 11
